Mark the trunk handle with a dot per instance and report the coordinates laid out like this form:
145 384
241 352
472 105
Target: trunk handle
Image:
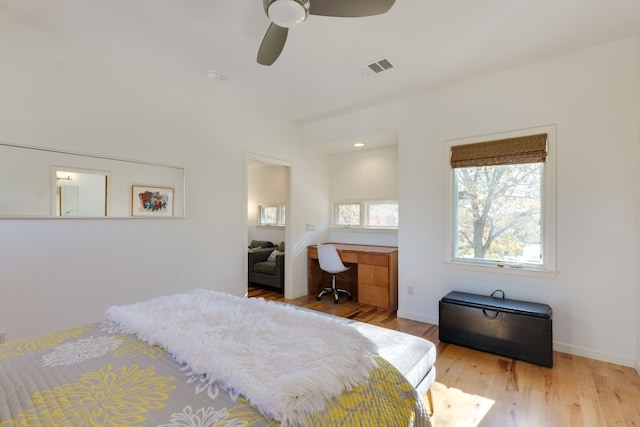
497 290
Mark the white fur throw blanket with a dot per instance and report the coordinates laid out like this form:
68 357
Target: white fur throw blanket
286 361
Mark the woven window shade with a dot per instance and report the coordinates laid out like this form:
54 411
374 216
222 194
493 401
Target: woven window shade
510 151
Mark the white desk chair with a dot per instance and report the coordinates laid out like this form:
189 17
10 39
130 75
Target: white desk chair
330 262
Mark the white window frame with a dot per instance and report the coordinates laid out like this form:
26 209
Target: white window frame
334 214
364 214
548 204
280 218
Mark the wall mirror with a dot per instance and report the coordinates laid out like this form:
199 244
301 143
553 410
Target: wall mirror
44 183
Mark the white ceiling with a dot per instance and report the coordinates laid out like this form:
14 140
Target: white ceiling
430 43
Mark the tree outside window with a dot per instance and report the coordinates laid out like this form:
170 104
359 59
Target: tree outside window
347 214
499 213
272 214
383 214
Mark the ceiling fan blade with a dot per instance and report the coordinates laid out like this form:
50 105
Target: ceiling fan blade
272 44
349 8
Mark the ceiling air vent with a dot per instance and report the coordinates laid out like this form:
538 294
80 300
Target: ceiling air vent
375 67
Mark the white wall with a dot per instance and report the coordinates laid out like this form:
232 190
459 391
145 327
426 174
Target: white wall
364 174
60 94
591 96
370 174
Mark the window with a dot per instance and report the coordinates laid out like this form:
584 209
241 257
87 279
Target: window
367 214
502 207
382 214
347 214
272 215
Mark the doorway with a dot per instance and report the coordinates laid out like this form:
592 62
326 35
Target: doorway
267 207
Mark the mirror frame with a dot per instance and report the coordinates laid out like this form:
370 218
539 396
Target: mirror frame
122 175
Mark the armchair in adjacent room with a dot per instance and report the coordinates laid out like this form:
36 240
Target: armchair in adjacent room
266 266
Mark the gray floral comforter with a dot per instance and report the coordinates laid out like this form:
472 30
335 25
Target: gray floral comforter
92 375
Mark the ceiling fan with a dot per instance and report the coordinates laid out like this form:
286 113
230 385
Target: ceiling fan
289 13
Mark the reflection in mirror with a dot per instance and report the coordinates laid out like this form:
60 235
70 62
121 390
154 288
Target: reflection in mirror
34 181
80 193
67 201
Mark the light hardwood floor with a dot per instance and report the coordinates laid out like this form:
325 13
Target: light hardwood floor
474 388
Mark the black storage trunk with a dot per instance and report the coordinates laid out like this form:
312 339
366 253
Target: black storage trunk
517 329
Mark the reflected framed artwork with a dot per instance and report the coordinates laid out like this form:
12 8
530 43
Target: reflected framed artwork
151 201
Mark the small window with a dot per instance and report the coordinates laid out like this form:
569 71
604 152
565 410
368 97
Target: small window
366 214
382 214
347 214
272 214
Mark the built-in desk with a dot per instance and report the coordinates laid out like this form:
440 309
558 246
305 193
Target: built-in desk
372 278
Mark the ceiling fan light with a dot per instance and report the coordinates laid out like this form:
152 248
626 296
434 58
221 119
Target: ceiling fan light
288 13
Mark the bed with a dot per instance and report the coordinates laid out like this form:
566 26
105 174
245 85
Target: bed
204 358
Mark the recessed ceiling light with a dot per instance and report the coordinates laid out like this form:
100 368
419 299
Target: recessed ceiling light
358 144
214 75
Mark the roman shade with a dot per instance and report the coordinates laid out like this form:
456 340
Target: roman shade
510 151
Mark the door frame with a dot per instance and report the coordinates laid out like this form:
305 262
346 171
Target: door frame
288 264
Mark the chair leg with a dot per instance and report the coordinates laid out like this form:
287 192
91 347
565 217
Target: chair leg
333 290
344 291
324 292
336 291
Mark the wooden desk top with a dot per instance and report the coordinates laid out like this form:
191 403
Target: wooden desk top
362 248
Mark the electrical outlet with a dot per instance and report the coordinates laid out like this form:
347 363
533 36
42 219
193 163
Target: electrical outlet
410 290
3 336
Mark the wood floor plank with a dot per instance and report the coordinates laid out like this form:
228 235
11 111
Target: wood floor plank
589 399
475 388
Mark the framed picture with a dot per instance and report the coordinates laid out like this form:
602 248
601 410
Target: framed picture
151 201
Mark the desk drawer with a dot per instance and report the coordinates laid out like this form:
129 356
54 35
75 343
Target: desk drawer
373 275
373 295
349 257
344 256
382 260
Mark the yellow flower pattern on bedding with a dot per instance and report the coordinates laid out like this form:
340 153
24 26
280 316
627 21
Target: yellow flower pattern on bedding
18 348
386 400
133 347
108 397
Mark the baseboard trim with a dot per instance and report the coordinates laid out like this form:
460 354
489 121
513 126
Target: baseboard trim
574 350
417 317
590 353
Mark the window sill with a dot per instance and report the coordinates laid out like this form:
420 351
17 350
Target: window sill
364 230
276 227
514 271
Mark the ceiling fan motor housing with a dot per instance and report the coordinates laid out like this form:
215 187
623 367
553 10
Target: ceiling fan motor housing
287 13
